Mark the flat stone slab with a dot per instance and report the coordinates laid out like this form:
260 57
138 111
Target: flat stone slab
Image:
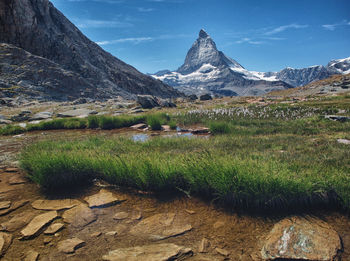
139 126
31 256
76 113
121 215
13 207
160 226
156 252
44 115
35 226
5 204
79 216
5 242
104 198
53 228
17 179
200 131
55 204
343 141
17 222
69 246
302 239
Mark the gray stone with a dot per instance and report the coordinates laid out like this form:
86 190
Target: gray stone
147 101
343 141
69 246
156 252
139 126
104 198
160 226
205 97
302 239
38 223
76 113
337 118
44 115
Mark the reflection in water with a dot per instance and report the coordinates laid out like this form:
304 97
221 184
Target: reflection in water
140 137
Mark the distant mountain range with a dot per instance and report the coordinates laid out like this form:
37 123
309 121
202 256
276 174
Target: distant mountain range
46 57
207 70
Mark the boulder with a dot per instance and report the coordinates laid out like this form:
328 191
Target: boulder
157 252
160 226
302 239
44 115
192 97
147 101
79 216
58 204
69 246
343 141
205 97
38 223
5 242
337 118
166 103
104 198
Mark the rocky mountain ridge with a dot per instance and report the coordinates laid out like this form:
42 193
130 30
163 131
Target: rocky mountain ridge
37 27
208 70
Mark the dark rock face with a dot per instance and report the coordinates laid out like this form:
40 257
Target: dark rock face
205 97
39 28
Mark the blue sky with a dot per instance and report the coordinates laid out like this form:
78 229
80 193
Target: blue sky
262 35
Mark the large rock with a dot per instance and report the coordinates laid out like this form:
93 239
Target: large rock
17 222
44 115
69 246
205 97
103 198
5 242
157 252
54 204
79 216
147 101
76 113
302 239
160 226
38 223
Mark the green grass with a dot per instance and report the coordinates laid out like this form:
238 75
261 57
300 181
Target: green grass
155 121
11 130
254 171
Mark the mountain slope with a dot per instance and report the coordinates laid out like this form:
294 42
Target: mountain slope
208 70
39 28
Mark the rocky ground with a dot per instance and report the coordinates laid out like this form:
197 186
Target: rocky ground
104 222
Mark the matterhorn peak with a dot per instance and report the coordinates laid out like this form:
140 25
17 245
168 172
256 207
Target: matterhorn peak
203 34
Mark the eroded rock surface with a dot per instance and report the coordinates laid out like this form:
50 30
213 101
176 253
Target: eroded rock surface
37 223
54 204
157 252
160 226
17 222
70 245
5 242
302 239
79 216
102 199
31 256
53 228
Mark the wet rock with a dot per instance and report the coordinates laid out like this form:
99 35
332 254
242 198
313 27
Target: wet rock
104 198
343 141
200 131
121 216
79 216
44 115
17 222
160 226
205 97
69 246
31 256
139 126
5 242
54 204
36 225
13 207
53 228
76 113
147 101
222 252
157 252
204 246
302 239
5 204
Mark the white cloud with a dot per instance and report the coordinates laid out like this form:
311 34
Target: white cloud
90 23
101 1
332 27
250 41
145 10
285 27
134 40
